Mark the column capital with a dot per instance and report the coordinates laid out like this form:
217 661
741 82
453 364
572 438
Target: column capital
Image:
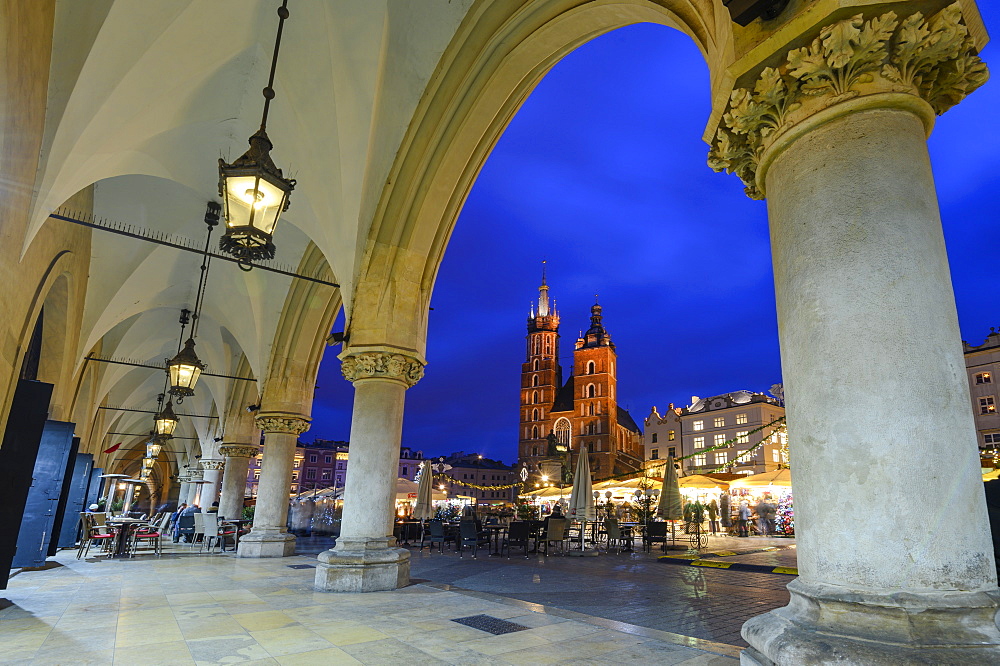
925 65
405 367
279 422
212 464
239 450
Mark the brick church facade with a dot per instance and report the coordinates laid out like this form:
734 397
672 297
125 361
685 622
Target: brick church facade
558 417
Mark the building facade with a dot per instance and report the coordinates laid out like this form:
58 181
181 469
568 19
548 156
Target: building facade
733 418
983 365
662 434
557 417
475 469
323 464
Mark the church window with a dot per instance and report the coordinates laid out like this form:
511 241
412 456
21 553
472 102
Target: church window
590 409
535 367
591 391
534 432
534 380
590 367
534 415
562 431
534 397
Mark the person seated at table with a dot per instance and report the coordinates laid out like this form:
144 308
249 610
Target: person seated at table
556 513
469 513
213 509
174 526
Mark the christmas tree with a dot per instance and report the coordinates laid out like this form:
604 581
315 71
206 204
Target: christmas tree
784 521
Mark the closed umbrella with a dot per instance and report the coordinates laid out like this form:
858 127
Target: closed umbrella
669 507
581 500
424 507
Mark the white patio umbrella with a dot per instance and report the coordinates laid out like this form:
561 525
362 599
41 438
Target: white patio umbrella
581 500
424 506
670 507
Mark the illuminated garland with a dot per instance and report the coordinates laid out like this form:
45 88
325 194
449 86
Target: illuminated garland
445 477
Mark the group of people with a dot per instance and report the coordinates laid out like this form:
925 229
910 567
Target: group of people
766 513
185 510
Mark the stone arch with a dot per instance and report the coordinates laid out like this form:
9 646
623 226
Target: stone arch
496 58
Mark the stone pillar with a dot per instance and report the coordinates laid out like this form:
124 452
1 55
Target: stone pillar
269 537
366 558
182 496
194 486
211 472
234 478
894 552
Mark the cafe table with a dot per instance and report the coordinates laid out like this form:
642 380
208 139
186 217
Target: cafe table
124 527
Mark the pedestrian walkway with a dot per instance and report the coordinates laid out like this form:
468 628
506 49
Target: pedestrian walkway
185 608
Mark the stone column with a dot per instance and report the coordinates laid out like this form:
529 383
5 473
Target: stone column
894 552
182 495
212 472
194 487
234 478
366 558
269 537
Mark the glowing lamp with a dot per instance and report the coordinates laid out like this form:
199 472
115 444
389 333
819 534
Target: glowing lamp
166 421
184 370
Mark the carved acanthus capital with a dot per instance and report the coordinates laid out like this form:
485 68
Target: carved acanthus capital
239 450
195 475
212 464
382 365
282 423
933 59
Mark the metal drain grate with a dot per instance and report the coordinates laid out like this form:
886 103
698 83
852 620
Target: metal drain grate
490 624
301 566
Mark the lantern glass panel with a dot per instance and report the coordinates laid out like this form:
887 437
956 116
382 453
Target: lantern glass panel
165 426
147 464
253 201
153 450
184 375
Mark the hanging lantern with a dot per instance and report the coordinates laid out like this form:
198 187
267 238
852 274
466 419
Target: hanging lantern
254 191
147 464
144 474
255 195
153 447
184 370
166 420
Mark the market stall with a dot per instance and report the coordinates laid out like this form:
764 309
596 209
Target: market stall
764 492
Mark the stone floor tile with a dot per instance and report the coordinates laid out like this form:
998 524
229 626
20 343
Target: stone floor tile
223 649
164 632
387 651
209 627
340 634
82 639
175 653
191 599
262 620
493 645
329 656
289 640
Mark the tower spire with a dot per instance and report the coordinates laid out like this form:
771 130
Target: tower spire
543 295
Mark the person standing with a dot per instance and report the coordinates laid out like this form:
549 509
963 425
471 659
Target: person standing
744 518
713 516
726 511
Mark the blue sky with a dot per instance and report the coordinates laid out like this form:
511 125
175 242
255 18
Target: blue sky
602 173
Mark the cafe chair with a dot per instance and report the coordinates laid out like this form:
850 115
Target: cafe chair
518 535
185 528
215 533
199 527
555 534
149 534
91 533
655 533
438 535
468 535
613 532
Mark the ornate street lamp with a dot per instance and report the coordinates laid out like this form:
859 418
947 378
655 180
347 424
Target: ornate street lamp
147 465
166 420
254 190
154 446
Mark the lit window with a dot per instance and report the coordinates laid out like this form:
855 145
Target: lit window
295 476
325 475
987 405
298 463
743 437
984 378
671 435
775 455
654 438
721 458
718 439
256 475
700 460
741 419
719 422
698 425
699 442
654 454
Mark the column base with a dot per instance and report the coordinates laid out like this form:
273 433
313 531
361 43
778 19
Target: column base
825 624
267 544
363 565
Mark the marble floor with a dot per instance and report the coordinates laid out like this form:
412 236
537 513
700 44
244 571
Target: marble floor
186 608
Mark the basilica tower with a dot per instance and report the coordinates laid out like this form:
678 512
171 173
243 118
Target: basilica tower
541 375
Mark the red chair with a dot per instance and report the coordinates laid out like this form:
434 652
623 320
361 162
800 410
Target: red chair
145 533
92 532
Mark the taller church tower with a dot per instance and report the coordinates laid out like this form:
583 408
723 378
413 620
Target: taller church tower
541 375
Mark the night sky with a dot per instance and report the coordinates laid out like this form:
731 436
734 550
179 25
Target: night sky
602 173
